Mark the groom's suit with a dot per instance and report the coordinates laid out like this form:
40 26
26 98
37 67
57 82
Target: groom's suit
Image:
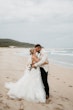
43 56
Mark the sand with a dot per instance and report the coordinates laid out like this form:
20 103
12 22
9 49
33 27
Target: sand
12 67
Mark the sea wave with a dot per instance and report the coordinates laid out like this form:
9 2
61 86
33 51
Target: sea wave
66 64
57 53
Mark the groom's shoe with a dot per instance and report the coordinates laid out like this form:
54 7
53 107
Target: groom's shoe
47 96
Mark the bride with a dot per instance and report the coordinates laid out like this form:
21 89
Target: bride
30 86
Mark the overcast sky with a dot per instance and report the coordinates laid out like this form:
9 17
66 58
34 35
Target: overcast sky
48 22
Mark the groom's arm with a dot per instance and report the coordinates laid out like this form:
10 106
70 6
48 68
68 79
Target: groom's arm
42 61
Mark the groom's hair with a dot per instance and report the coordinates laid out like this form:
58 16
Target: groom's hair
38 45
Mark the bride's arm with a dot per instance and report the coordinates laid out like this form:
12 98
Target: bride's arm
35 59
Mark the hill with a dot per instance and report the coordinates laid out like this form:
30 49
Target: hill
10 42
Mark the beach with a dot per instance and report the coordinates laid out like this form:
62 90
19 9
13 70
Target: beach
12 68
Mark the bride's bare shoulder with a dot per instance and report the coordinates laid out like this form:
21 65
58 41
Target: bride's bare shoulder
34 57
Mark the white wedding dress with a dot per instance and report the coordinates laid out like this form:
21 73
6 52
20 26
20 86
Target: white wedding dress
29 87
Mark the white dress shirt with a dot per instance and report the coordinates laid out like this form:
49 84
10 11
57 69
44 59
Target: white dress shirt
43 56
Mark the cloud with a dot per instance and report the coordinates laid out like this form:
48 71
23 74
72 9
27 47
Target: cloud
37 18
34 10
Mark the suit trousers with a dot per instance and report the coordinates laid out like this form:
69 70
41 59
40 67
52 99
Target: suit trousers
44 76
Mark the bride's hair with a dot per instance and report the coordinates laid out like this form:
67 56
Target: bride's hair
31 51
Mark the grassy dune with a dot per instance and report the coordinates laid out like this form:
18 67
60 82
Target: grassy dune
10 42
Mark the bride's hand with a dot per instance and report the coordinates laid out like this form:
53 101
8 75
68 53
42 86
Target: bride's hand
33 66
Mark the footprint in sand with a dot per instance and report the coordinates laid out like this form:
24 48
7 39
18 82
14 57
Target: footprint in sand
20 99
1 101
61 105
57 108
6 106
1 95
70 86
64 98
54 91
57 78
7 77
64 82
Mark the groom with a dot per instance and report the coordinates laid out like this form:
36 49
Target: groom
43 64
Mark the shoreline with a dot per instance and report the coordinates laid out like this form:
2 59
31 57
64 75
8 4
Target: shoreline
25 52
60 63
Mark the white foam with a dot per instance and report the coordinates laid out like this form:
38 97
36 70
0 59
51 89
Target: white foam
57 53
61 62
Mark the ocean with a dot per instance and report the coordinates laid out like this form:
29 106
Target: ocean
62 57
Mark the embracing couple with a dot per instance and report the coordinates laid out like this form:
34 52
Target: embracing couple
33 86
